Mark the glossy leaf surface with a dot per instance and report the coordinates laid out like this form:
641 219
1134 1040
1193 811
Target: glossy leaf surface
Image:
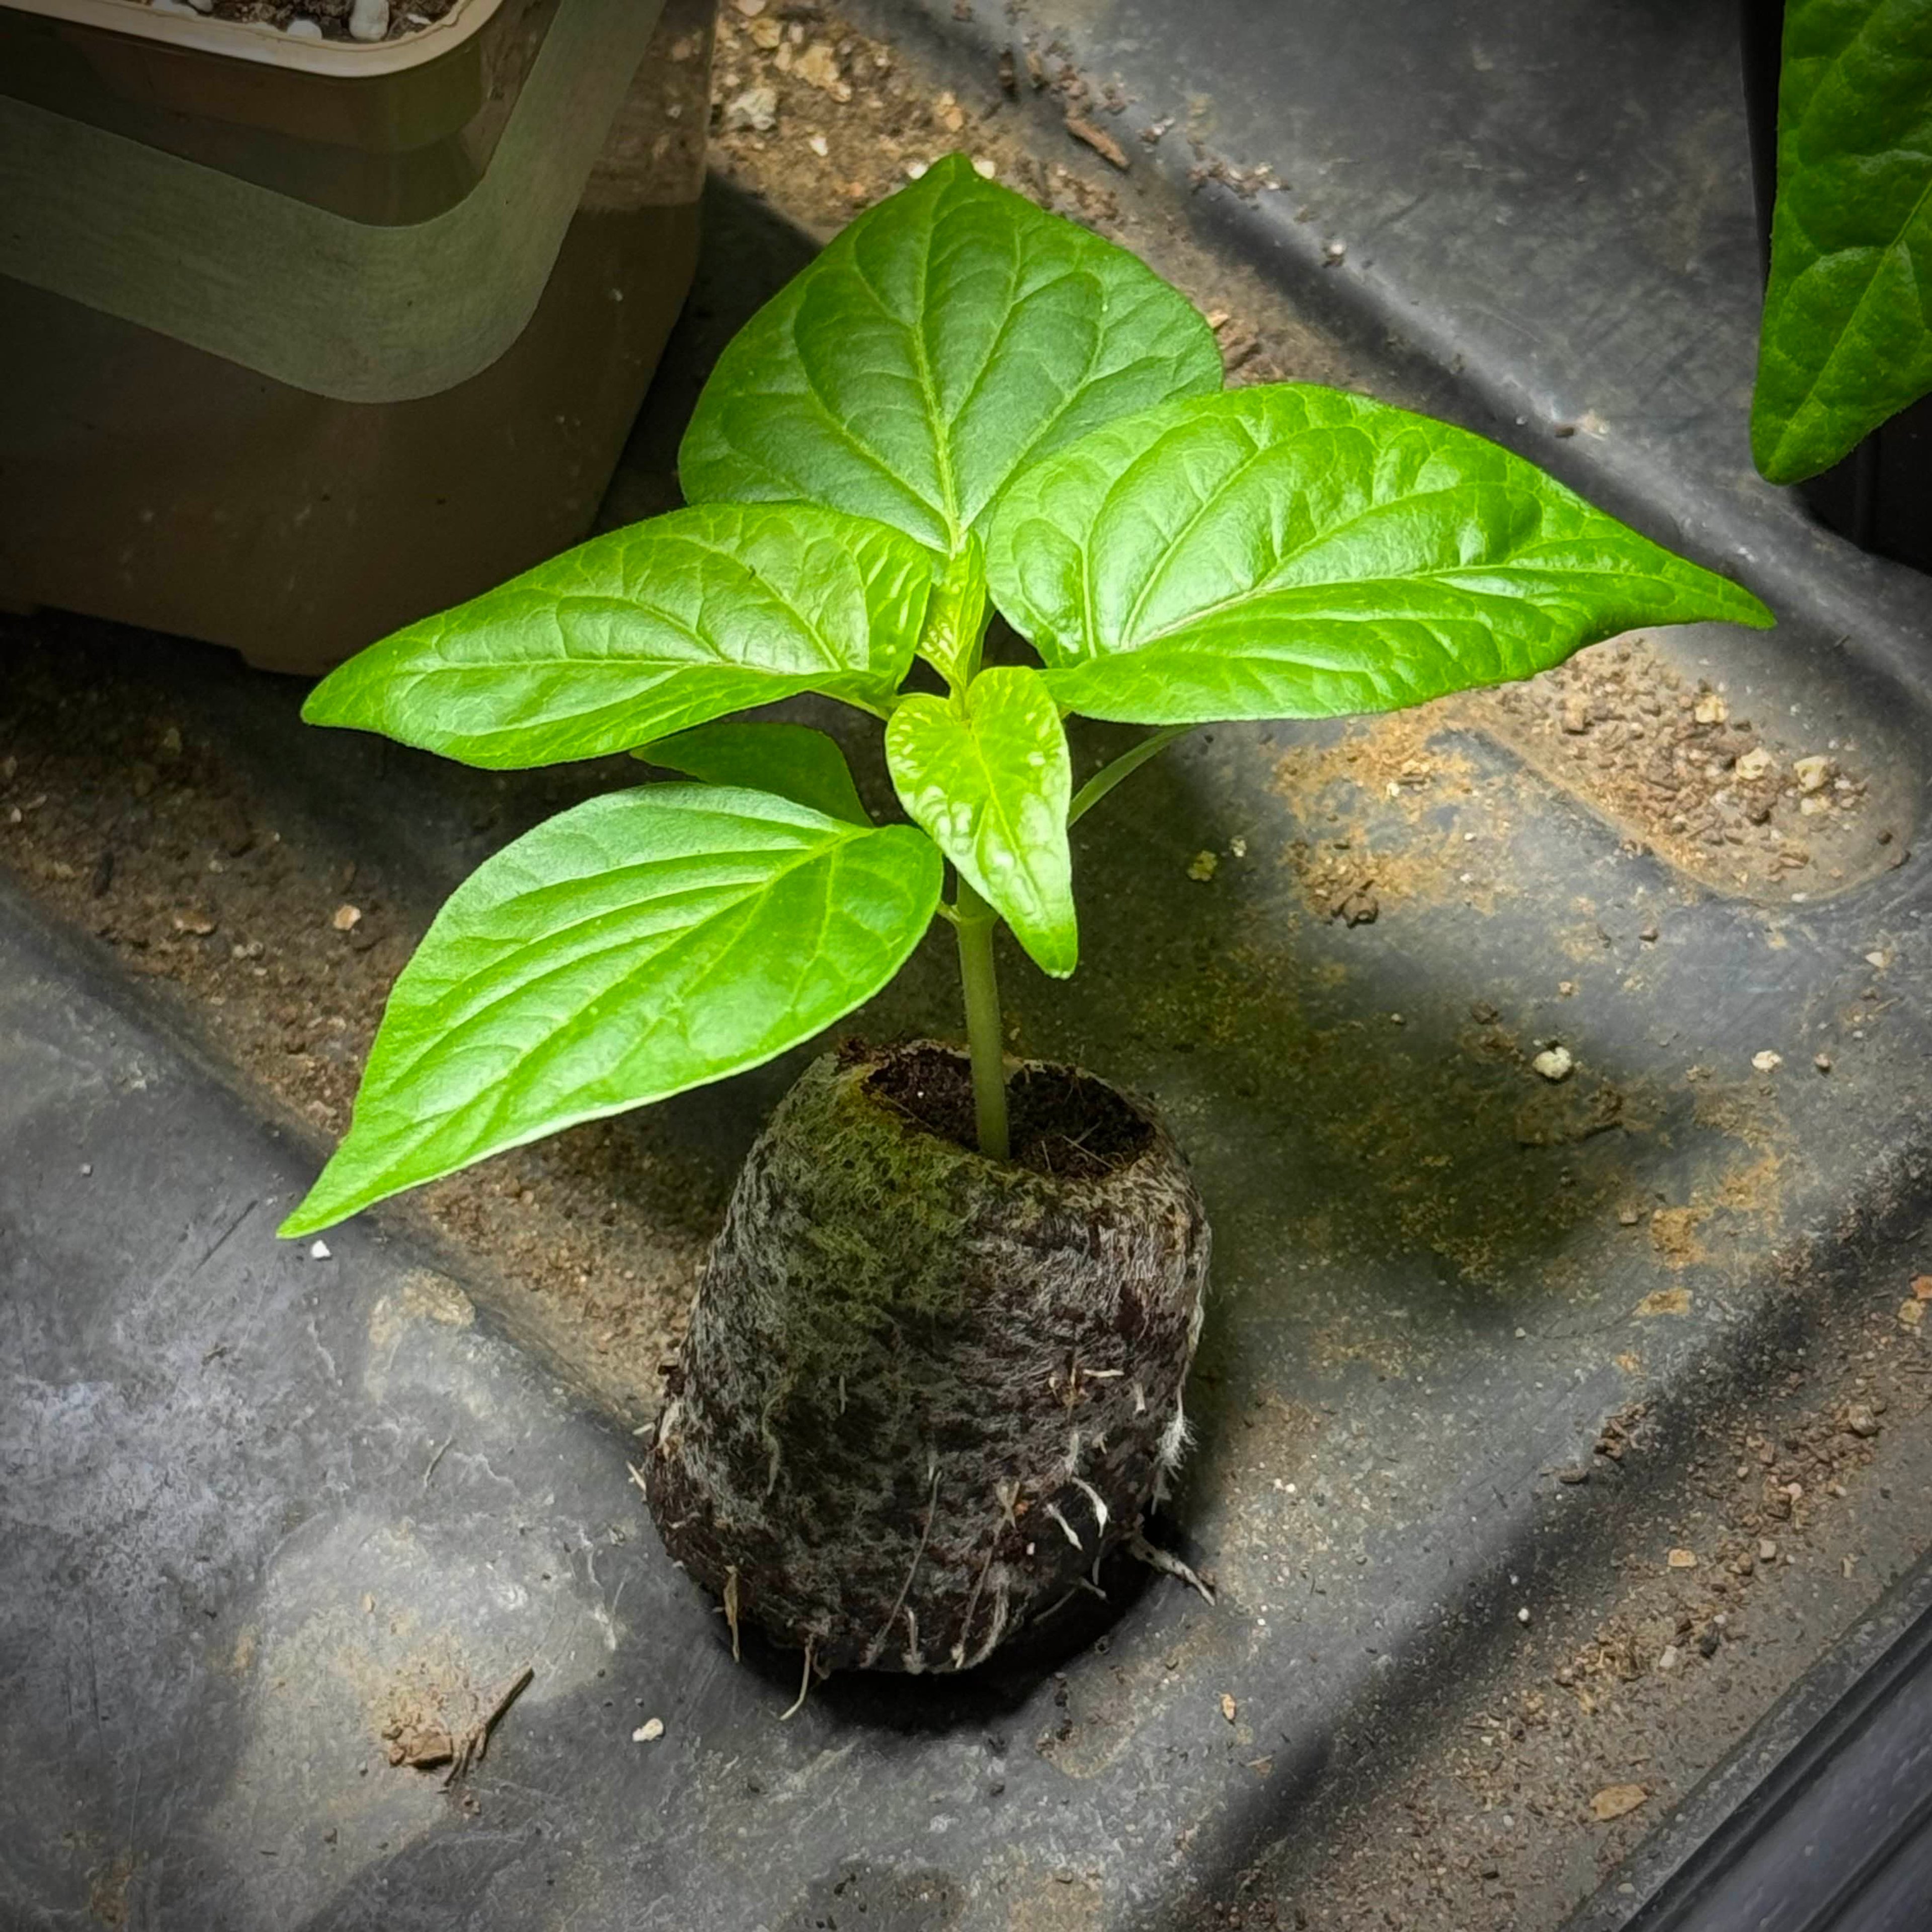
943 340
988 775
1847 339
956 619
1288 551
645 942
793 760
644 632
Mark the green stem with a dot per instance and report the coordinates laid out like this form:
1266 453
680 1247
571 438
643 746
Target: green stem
1125 765
974 921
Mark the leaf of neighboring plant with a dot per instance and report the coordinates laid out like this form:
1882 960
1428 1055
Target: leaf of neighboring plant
956 619
988 775
644 632
946 338
1847 331
644 942
1287 551
793 760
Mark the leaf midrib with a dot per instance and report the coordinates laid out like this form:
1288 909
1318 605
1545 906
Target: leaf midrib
1272 586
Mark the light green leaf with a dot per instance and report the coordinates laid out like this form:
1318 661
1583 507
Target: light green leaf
646 632
1288 551
644 942
956 619
987 774
946 338
1847 332
793 760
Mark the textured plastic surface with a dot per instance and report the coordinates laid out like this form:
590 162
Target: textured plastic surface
1822 1822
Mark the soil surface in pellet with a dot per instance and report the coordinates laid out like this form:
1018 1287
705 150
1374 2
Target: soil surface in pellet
1061 1122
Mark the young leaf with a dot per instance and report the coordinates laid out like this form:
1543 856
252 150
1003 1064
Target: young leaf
946 338
956 619
641 943
793 760
644 632
1847 331
1287 551
987 774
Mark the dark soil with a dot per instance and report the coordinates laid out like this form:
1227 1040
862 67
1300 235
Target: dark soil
1064 1123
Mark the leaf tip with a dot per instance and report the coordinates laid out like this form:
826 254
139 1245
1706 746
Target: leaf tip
305 1220
327 1202
1056 953
324 705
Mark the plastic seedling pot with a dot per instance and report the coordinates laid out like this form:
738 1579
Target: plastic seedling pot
305 338
1880 496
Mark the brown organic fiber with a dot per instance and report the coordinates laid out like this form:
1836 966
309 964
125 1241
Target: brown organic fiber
922 1393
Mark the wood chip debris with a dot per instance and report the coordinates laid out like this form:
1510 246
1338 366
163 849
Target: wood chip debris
1103 143
1614 1801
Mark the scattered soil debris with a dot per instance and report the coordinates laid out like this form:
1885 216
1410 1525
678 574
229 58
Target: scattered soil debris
1723 798
841 119
596 1239
1551 1761
434 1724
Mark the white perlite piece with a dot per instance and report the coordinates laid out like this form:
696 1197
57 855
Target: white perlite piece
1555 1063
369 20
649 1731
1767 1062
754 112
303 28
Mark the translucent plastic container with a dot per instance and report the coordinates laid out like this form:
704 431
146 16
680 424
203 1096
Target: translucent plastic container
302 339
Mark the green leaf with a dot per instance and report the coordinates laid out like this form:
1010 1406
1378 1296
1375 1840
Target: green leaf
956 619
988 775
1287 551
648 631
1847 333
646 942
946 338
793 760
